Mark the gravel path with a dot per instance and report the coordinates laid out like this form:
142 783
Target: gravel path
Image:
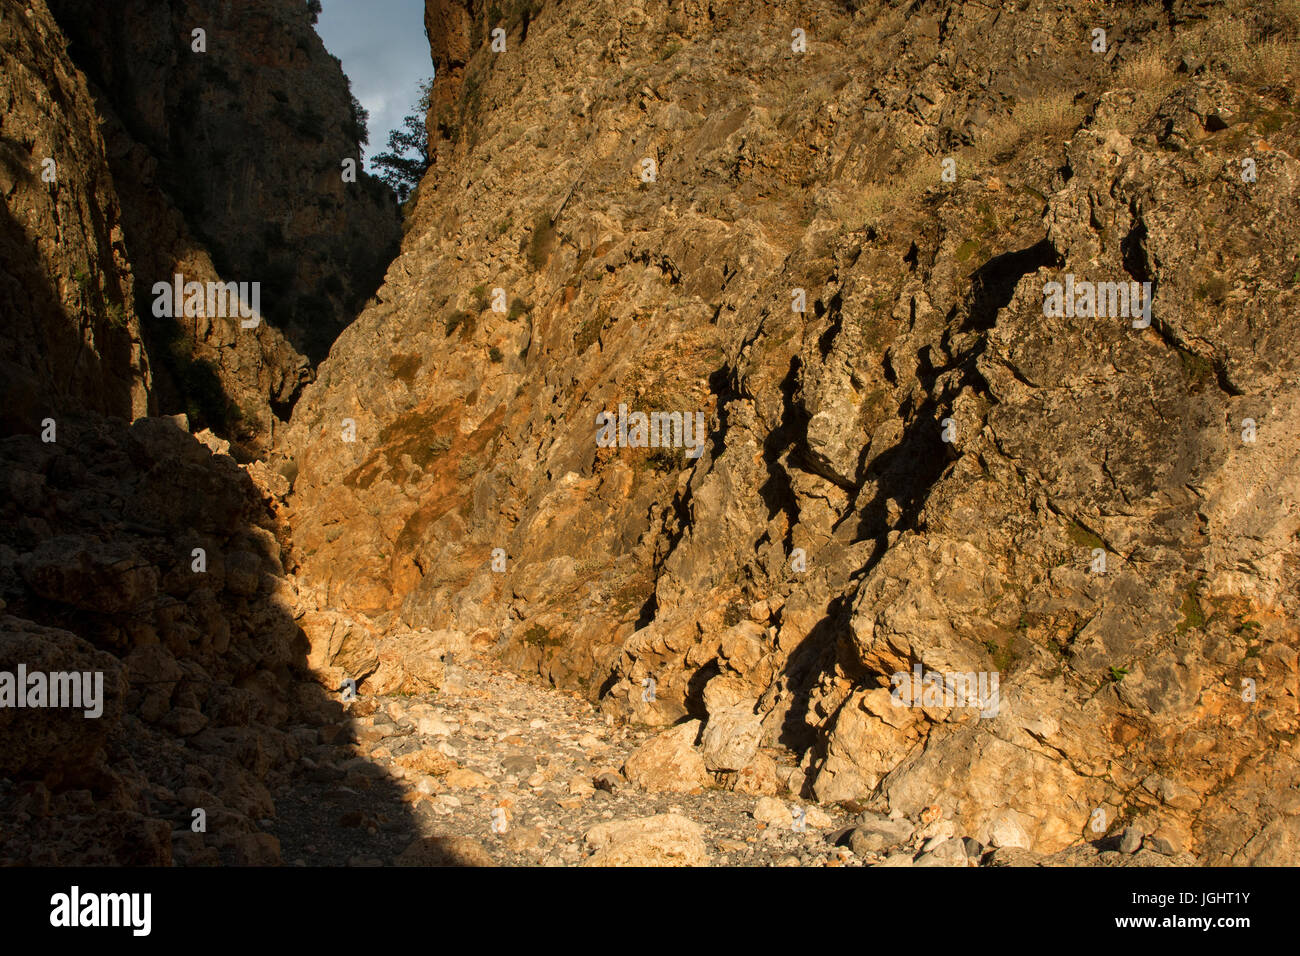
404 769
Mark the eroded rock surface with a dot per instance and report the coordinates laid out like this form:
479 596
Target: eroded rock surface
922 468
835 249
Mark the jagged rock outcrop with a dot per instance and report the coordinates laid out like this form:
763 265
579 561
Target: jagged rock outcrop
927 467
230 162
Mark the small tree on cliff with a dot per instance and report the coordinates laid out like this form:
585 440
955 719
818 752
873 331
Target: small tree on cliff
358 127
407 158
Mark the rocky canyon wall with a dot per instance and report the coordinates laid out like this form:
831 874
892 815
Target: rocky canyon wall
832 229
130 548
228 125
71 337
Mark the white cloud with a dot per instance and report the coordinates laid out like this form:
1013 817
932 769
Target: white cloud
385 54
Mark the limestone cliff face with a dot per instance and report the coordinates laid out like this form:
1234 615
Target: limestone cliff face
70 339
230 159
925 467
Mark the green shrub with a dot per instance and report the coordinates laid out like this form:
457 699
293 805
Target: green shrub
1193 613
116 315
541 242
539 636
404 367
458 319
1082 537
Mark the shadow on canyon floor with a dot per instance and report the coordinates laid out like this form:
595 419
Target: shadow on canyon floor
164 561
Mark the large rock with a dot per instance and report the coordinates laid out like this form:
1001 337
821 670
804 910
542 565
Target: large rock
414 662
668 761
663 840
760 776
731 738
444 850
89 574
340 646
773 813
877 835
949 852
55 742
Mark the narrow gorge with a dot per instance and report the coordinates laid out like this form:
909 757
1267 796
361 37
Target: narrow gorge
818 433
